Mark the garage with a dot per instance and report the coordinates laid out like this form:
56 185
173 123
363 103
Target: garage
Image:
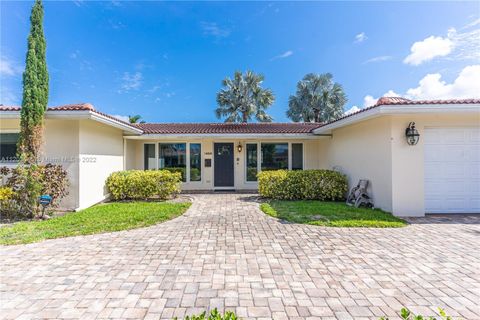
452 170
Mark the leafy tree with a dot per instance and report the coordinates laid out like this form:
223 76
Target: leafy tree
35 89
242 97
135 119
318 99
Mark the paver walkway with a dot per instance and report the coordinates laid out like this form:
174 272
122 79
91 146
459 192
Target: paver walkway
225 253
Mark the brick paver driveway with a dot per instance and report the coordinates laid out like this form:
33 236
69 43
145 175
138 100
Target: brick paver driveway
225 253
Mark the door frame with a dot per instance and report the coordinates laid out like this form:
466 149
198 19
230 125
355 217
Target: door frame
213 166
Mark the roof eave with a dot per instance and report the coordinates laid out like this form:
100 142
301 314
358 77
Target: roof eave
397 109
79 115
253 136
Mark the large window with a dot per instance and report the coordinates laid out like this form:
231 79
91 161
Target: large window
173 157
297 156
8 147
274 156
149 156
195 162
252 162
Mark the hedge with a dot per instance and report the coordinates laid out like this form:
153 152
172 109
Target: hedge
140 184
302 185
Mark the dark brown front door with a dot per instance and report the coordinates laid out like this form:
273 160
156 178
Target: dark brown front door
223 165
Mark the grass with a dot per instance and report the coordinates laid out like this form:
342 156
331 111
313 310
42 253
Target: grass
331 214
101 218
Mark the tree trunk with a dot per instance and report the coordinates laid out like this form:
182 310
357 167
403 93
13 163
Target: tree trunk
244 117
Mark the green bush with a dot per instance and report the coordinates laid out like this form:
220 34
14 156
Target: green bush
408 315
302 185
28 182
214 315
140 184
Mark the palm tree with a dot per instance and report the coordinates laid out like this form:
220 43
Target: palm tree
135 119
243 97
318 99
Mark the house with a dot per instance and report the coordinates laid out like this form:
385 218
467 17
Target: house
439 174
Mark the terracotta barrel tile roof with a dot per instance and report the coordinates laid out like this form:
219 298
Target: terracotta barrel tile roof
383 101
66 107
227 128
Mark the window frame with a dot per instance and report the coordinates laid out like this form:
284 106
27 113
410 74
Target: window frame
10 162
187 157
259 155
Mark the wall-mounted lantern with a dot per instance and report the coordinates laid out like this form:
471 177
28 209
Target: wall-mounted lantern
412 134
239 147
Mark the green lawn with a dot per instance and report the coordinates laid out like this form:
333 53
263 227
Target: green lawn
332 214
97 219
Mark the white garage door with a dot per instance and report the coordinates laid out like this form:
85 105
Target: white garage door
452 170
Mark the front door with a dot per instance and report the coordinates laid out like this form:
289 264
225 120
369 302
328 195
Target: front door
223 165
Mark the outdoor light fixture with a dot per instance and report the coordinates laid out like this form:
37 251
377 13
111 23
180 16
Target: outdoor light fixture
412 134
239 147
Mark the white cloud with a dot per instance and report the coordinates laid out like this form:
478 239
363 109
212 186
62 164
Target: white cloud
284 55
428 49
131 81
472 24
9 67
360 37
466 85
378 59
213 29
78 3
352 110
369 101
456 45
120 117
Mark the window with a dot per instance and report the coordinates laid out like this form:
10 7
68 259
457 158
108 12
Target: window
149 156
297 156
252 162
195 162
274 156
173 157
8 147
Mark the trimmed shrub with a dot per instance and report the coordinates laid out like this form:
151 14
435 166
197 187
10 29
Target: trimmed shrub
140 184
302 185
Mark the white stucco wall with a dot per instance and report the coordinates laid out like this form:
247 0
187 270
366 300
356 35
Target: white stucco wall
100 154
363 151
60 147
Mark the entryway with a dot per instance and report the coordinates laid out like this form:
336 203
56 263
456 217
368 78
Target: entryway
223 165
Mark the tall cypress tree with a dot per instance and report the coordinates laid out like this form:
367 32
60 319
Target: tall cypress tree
35 89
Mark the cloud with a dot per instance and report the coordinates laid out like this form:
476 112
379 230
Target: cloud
352 110
131 81
284 55
9 67
213 29
78 3
428 49
120 117
455 45
431 86
360 37
378 59
466 85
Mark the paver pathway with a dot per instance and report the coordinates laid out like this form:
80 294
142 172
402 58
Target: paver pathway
225 253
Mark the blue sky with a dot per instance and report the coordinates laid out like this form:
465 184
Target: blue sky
165 60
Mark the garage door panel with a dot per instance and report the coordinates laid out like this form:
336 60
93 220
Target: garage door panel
453 136
452 170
